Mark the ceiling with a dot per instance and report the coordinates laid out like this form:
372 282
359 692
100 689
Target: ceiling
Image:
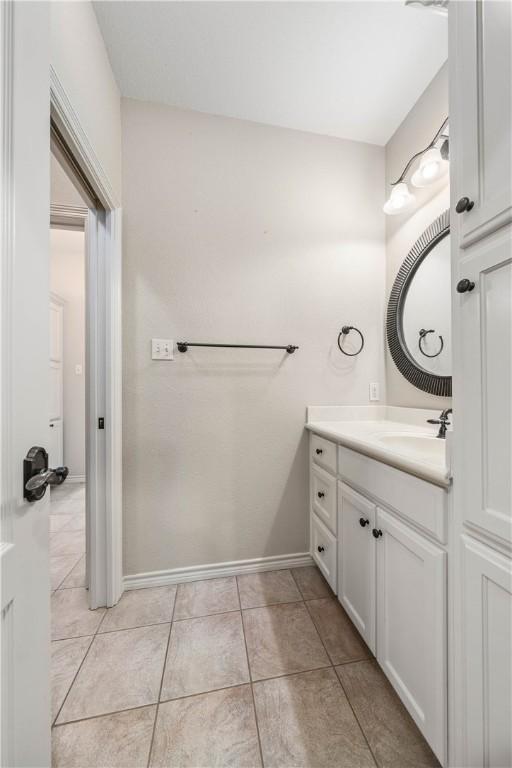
346 69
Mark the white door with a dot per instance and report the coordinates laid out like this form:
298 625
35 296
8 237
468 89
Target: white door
488 657
411 624
481 105
356 560
24 238
483 402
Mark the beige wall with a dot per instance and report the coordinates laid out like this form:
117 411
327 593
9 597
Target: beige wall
67 280
416 131
238 232
79 57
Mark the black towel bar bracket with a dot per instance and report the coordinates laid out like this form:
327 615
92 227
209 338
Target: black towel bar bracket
184 345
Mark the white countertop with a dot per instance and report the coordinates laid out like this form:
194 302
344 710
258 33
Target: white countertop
396 436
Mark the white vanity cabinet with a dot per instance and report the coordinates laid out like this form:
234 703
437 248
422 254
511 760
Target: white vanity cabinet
356 560
411 623
386 560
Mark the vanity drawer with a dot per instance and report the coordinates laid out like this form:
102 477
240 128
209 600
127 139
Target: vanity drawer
416 500
323 496
323 549
323 452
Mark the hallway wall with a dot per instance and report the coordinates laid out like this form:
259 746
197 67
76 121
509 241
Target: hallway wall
238 232
67 280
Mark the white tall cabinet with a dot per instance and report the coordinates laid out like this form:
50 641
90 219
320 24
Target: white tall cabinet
481 566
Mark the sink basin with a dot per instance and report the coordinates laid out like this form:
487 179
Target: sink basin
423 447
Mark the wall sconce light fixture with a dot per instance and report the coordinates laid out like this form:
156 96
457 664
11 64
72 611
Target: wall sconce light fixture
433 165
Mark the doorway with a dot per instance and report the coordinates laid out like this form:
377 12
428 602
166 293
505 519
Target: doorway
67 419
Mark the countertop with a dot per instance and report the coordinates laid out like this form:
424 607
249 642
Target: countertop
362 428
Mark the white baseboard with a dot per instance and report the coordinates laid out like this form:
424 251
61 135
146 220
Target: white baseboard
215 570
75 479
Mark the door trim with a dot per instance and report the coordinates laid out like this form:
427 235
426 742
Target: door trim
103 231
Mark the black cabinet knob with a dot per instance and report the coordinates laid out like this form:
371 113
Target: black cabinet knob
363 521
377 532
320 549
320 494
465 285
464 204
319 451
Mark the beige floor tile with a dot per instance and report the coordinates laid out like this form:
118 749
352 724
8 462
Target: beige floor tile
393 736
67 543
311 583
122 670
71 616
205 654
122 740
306 720
282 639
76 577
76 522
213 729
140 607
203 598
60 566
67 655
57 522
267 588
341 639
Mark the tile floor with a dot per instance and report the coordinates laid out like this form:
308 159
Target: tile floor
263 669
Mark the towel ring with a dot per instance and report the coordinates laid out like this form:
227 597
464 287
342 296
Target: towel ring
344 332
423 334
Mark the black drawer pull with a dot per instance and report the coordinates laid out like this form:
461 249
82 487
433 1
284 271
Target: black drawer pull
320 549
320 494
464 204
363 522
319 451
465 285
377 532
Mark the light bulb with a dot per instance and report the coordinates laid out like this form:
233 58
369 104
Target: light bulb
432 167
399 200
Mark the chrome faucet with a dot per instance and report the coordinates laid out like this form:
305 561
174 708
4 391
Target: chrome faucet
442 421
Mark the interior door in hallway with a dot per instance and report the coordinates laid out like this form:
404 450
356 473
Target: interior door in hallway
24 381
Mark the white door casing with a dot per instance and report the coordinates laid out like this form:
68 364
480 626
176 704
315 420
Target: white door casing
24 535
411 624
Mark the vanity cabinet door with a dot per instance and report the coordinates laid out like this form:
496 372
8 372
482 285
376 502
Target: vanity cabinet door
480 109
487 657
411 624
356 560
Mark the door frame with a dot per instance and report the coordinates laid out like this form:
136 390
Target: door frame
104 358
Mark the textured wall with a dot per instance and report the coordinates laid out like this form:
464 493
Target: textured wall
234 231
416 131
80 59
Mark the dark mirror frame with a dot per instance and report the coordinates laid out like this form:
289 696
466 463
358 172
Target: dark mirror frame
408 367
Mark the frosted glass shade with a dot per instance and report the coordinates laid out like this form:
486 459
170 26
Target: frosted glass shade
432 167
400 199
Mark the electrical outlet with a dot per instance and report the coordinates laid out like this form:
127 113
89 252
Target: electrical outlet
78 369
374 391
162 349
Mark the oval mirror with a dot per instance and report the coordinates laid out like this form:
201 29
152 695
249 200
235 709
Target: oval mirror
419 312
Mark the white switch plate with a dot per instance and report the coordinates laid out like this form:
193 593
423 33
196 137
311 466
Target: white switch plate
374 391
162 349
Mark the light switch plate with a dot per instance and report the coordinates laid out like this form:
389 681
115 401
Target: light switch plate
374 391
162 349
